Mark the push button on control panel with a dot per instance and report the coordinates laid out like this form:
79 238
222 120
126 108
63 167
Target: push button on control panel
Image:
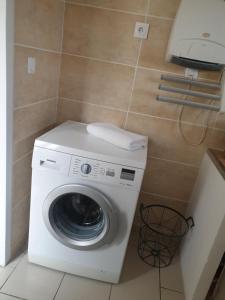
110 172
86 169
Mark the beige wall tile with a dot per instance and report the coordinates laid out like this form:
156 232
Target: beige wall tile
21 179
165 140
150 199
20 226
87 113
210 75
32 119
146 89
164 8
217 139
197 116
153 52
101 34
39 23
96 82
25 146
43 84
139 6
220 121
170 179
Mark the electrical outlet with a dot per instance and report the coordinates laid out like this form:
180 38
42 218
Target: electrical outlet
31 65
191 73
141 30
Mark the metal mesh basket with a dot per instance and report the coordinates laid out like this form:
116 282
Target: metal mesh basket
160 234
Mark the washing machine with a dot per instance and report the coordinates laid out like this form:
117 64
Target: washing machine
83 200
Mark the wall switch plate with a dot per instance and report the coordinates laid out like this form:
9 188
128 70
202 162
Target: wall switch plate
31 65
191 73
141 30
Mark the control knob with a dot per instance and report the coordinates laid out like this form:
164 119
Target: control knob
86 169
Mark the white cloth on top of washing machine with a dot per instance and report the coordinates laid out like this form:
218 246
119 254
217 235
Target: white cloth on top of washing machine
117 136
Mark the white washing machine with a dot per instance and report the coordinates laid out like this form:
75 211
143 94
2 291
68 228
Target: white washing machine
83 200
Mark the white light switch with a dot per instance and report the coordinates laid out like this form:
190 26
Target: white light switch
31 65
141 30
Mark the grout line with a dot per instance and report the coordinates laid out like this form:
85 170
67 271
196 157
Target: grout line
13 270
131 65
110 292
176 121
60 64
62 33
141 114
40 132
173 73
159 17
106 8
99 59
25 200
34 132
36 48
166 197
172 290
175 161
34 103
160 293
135 72
128 12
22 157
94 104
133 85
64 274
12 296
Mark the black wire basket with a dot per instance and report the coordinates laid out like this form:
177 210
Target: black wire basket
161 233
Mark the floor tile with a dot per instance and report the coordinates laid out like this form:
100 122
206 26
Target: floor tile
138 279
32 282
171 277
221 290
6 297
6 271
82 288
171 295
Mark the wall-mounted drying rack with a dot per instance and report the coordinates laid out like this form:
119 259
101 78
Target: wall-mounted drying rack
188 92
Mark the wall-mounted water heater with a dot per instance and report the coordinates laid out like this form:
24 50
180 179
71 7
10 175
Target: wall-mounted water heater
197 39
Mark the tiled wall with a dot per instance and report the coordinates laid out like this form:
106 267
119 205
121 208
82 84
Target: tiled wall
38 34
107 75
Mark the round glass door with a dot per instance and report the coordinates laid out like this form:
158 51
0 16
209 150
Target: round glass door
78 216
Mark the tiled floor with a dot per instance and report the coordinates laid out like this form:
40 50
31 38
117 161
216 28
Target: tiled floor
22 280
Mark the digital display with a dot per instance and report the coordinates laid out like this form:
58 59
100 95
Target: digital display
127 174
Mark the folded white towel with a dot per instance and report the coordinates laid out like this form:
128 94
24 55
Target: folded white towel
117 136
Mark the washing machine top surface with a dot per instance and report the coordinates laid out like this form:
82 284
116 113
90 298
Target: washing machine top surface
73 138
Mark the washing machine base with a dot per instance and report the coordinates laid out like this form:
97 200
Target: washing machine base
74 269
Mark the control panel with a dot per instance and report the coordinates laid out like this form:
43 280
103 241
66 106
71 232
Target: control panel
104 172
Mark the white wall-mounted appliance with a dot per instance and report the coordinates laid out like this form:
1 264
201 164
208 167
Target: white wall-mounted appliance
198 36
83 201
197 39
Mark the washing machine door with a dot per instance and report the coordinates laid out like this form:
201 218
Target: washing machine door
80 216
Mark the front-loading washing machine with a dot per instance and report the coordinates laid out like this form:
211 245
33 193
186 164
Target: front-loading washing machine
83 200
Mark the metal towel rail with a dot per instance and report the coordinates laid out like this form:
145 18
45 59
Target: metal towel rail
188 103
189 92
191 81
